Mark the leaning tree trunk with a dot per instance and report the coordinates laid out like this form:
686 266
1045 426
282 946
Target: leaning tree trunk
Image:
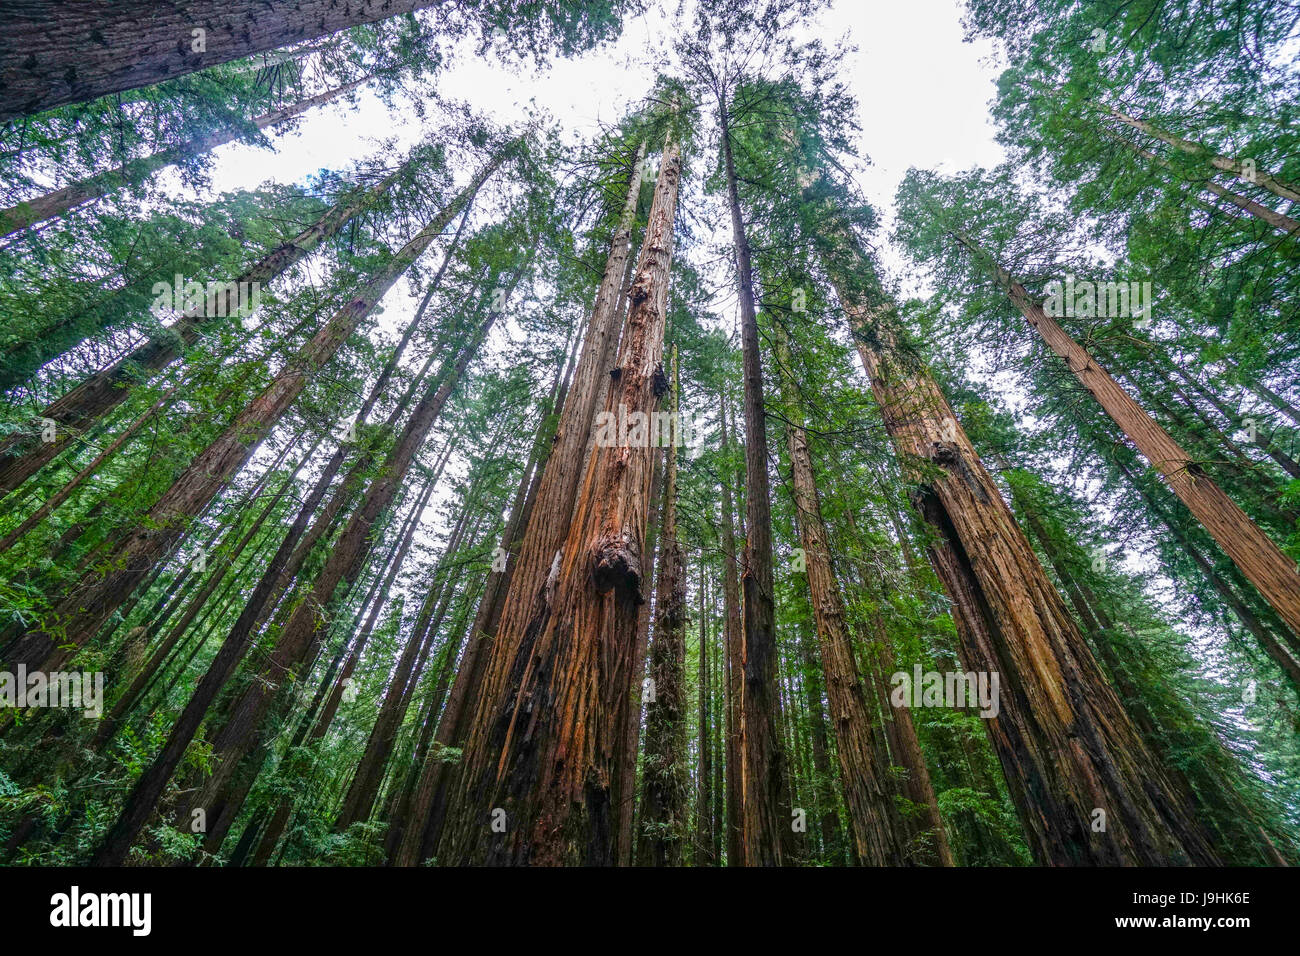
1216 789
80 50
320 715
541 758
1235 601
1088 790
359 800
1251 550
109 725
1226 164
94 398
1067 747
1277 220
80 613
928 843
306 627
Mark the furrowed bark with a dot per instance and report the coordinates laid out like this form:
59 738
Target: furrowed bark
735 665
663 778
544 744
626 790
704 788
80 50
868 797
766 798
546 525
427 802
1067 747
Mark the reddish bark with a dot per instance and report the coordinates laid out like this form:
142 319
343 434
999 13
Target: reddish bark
81 49
544 744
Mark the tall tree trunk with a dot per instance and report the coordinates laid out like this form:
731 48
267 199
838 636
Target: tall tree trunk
1277 650
425 803
1251 550
735 666
76 481
663 819
320 715
302 633
150 786
766 798
704 790
625 792
1235 167
867 795
1273 398
541 758
1277 220
1087 789
359 799
397 811
81 50
1236 420
109 725
926 836
813 689
929 845
529 557
1215 787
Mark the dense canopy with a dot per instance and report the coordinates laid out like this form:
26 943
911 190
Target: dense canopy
639 494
